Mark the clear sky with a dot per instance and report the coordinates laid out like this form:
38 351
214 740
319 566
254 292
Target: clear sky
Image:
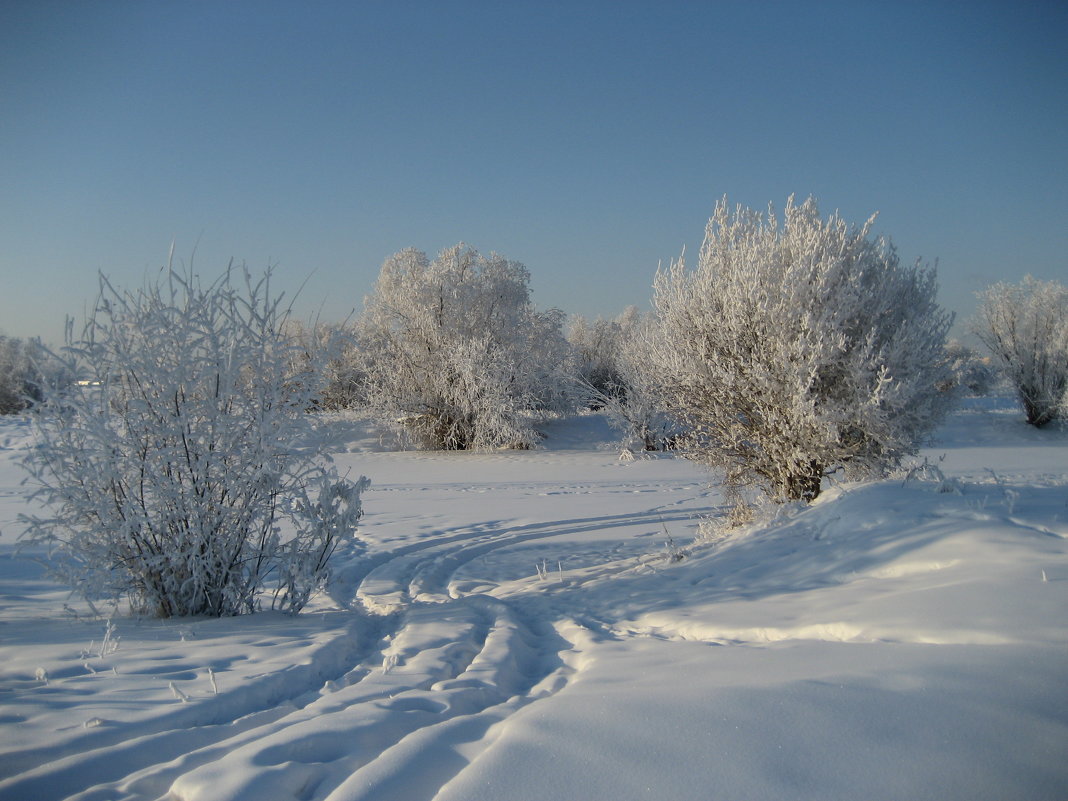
588 140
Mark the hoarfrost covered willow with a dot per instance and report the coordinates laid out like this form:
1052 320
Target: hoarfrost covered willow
177 474
795 350
1025 326
456 353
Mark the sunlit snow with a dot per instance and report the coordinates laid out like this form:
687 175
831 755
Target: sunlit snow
519 629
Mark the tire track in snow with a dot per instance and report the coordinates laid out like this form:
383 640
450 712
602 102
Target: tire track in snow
281 714
361 751
106 754
400 689
465 663
533 656
421 572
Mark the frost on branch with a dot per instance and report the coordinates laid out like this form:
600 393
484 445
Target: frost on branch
456 355
1025 327
795 350
177 473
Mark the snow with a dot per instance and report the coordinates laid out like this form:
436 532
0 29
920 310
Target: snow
518 629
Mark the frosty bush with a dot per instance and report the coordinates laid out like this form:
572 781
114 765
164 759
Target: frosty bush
626 382
16 384
456 354
596 347
345 375
792 351
169 471
1025 326
25 367
971 374
333 352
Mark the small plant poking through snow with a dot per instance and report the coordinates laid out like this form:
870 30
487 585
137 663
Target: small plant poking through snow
928 471
1009 495
673 551
110 643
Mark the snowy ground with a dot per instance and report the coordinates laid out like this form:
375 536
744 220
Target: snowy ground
518 630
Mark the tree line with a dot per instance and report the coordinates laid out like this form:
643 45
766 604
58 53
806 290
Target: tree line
179 470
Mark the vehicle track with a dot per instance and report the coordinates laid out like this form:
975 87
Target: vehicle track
427 667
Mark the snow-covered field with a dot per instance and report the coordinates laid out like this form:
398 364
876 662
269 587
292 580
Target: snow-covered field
518 629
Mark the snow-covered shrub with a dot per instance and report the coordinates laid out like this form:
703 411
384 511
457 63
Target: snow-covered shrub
1025 326
15 371
969 372
793 351
176 474
25 367
345 373
633 398
596 347
335 352
456 355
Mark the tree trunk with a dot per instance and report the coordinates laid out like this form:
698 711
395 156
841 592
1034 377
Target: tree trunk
1038 412
804 483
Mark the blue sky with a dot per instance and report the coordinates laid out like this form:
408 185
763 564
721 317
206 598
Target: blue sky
589 140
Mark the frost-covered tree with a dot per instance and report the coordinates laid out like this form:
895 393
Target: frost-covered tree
456 355
624 380
345 373
795 350
25 367
596 347
333 352
177 473
1025 326
15 376
971 373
